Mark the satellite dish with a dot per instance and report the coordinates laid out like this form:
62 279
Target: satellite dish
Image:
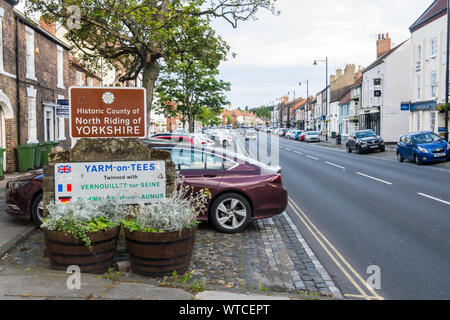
13 2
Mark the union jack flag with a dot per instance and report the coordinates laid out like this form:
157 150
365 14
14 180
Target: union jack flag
64 169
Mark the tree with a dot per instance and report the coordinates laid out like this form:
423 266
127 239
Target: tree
209 117
192 86
263 112
136 34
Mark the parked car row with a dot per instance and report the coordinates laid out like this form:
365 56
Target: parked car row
296 134
241 188
209 138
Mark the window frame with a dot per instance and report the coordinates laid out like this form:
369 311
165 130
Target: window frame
60 66
29 54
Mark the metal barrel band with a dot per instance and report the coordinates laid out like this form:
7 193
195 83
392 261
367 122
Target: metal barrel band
162 243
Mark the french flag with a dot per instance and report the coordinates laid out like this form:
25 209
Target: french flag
68 187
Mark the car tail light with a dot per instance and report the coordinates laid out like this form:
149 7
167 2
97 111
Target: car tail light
277 179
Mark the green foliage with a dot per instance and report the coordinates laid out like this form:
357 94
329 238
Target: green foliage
209 117
174 213
79 218
189 78
263 112
135 35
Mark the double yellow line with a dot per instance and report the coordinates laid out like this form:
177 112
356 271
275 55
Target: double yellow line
356 280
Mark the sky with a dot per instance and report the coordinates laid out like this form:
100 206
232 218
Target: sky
275 53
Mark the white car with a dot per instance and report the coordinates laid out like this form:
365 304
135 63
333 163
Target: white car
202 139
221 137
312 136
250 135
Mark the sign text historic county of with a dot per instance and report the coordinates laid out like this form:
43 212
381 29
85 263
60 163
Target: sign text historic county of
107 112
130 182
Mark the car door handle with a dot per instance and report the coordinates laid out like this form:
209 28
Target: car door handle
209 175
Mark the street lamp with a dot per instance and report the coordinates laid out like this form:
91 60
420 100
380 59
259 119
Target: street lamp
326 88
307 101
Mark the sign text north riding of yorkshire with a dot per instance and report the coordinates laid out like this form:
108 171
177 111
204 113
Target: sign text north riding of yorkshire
107 112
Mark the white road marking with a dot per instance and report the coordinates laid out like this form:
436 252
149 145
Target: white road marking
437 199
373 178
311 157
298 152
335 165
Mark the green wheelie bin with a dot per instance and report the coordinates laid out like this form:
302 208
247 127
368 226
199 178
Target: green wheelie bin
46 149
37 155
25 157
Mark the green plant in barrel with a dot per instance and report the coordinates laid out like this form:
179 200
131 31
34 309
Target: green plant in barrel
160 236
82 233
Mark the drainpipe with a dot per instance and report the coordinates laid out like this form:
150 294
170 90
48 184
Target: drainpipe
17 80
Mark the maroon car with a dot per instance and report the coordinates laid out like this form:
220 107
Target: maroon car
241 189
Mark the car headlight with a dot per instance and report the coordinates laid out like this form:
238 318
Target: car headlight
422 150
17 184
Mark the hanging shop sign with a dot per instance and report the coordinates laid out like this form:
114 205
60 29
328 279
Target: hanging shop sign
62 108
129 182
107 112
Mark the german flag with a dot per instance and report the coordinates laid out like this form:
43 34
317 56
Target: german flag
65 199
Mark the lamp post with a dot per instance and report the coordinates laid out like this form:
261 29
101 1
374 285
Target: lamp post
447 75
307 102
326 88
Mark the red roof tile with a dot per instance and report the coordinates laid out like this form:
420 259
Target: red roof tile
437 9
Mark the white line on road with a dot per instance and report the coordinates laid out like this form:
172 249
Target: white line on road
335 165
370 177
437 199
298 152
311 157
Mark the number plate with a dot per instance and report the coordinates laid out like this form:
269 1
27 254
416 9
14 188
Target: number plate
437 155
373 147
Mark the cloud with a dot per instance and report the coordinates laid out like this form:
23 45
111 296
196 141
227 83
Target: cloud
345 31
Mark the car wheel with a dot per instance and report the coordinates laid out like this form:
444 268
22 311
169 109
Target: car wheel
358 149
417 159
37 209
382 149
399 157
230 213
349 150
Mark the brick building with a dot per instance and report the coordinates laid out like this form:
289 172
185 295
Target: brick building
35 72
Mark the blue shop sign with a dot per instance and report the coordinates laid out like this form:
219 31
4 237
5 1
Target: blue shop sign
404 106
441 129
424 106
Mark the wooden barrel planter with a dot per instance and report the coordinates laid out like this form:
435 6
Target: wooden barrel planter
159 254
64 250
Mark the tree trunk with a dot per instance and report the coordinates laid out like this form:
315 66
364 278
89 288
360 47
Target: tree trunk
191 125
150 75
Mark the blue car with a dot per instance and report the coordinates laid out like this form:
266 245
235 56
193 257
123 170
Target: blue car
422 147
297 134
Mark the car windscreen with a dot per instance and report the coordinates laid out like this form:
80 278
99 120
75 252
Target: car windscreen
365 134
426 138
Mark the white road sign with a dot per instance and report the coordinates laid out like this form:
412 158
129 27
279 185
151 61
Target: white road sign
130 182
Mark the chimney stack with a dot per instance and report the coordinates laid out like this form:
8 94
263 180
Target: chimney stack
383 44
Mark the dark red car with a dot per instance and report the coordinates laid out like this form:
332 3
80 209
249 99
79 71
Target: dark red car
241 189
